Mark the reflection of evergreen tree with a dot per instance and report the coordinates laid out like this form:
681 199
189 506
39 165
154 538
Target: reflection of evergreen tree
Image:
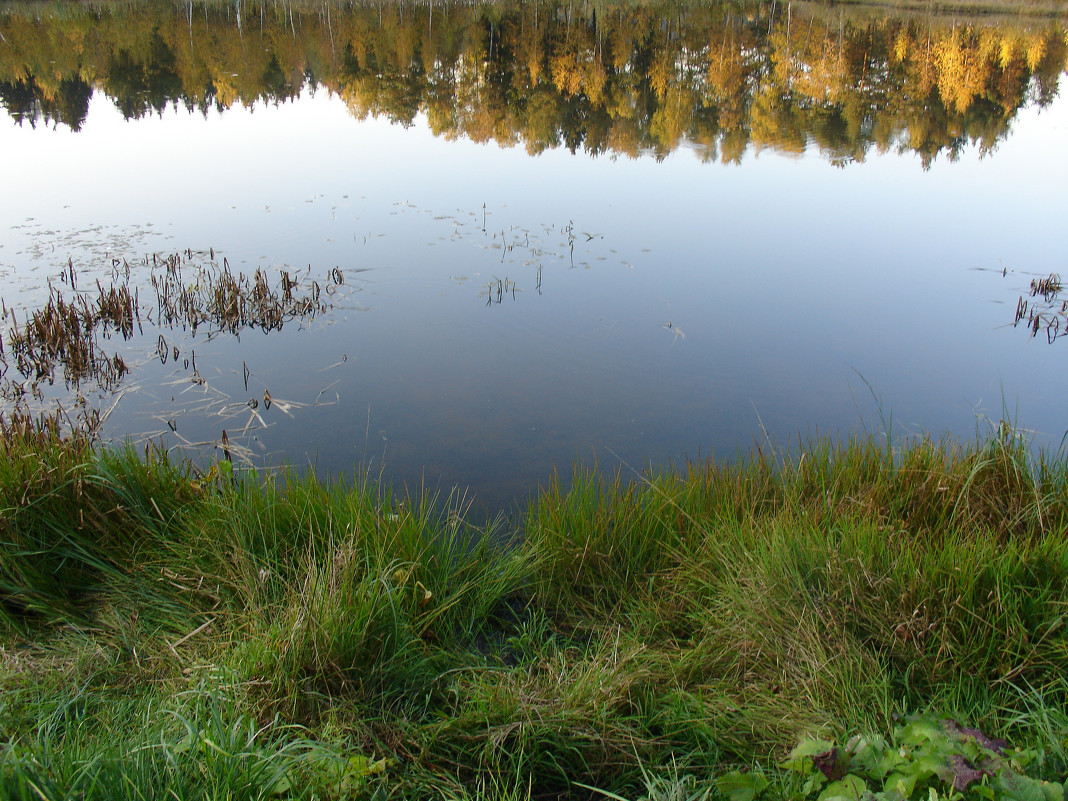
72 104
139 83
26 103
21 101
273 83
629 80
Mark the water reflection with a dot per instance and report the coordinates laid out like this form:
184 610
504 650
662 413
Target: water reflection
166 307
483 316
602 79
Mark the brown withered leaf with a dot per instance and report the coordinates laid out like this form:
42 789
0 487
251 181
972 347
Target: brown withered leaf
964 773
831 764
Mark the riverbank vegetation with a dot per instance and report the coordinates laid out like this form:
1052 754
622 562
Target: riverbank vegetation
173 632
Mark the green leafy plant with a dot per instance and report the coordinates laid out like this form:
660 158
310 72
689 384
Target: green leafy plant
927 758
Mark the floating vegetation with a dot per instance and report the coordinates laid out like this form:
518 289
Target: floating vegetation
67 333
225 301
1045 311
68 337
150 347
496 291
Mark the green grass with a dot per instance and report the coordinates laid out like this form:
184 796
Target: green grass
167 633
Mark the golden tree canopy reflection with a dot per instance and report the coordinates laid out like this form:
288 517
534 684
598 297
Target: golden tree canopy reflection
618 79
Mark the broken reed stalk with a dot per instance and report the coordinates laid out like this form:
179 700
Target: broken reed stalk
1046 311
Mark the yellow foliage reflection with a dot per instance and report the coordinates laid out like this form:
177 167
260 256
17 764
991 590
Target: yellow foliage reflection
624 79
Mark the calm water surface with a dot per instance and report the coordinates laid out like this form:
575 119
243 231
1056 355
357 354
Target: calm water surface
505 304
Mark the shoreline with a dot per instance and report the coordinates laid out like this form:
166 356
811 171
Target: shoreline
211 635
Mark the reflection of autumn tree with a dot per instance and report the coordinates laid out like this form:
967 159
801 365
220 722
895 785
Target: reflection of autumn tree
732 75
629 79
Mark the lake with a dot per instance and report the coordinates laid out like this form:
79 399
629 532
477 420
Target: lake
466 245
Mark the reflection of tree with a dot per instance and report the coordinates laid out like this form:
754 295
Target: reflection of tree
69 104
630 80
143 80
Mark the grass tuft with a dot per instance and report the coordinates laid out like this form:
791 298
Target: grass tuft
215 634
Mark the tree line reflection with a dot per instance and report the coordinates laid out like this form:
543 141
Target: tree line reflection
599 78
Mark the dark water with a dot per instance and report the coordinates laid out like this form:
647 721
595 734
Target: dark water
522 236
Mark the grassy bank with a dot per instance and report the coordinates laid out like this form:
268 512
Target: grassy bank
172 634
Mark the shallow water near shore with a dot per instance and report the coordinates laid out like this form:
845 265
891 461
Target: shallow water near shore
493 301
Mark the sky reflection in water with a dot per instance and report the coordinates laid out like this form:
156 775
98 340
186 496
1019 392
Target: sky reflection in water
710 306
